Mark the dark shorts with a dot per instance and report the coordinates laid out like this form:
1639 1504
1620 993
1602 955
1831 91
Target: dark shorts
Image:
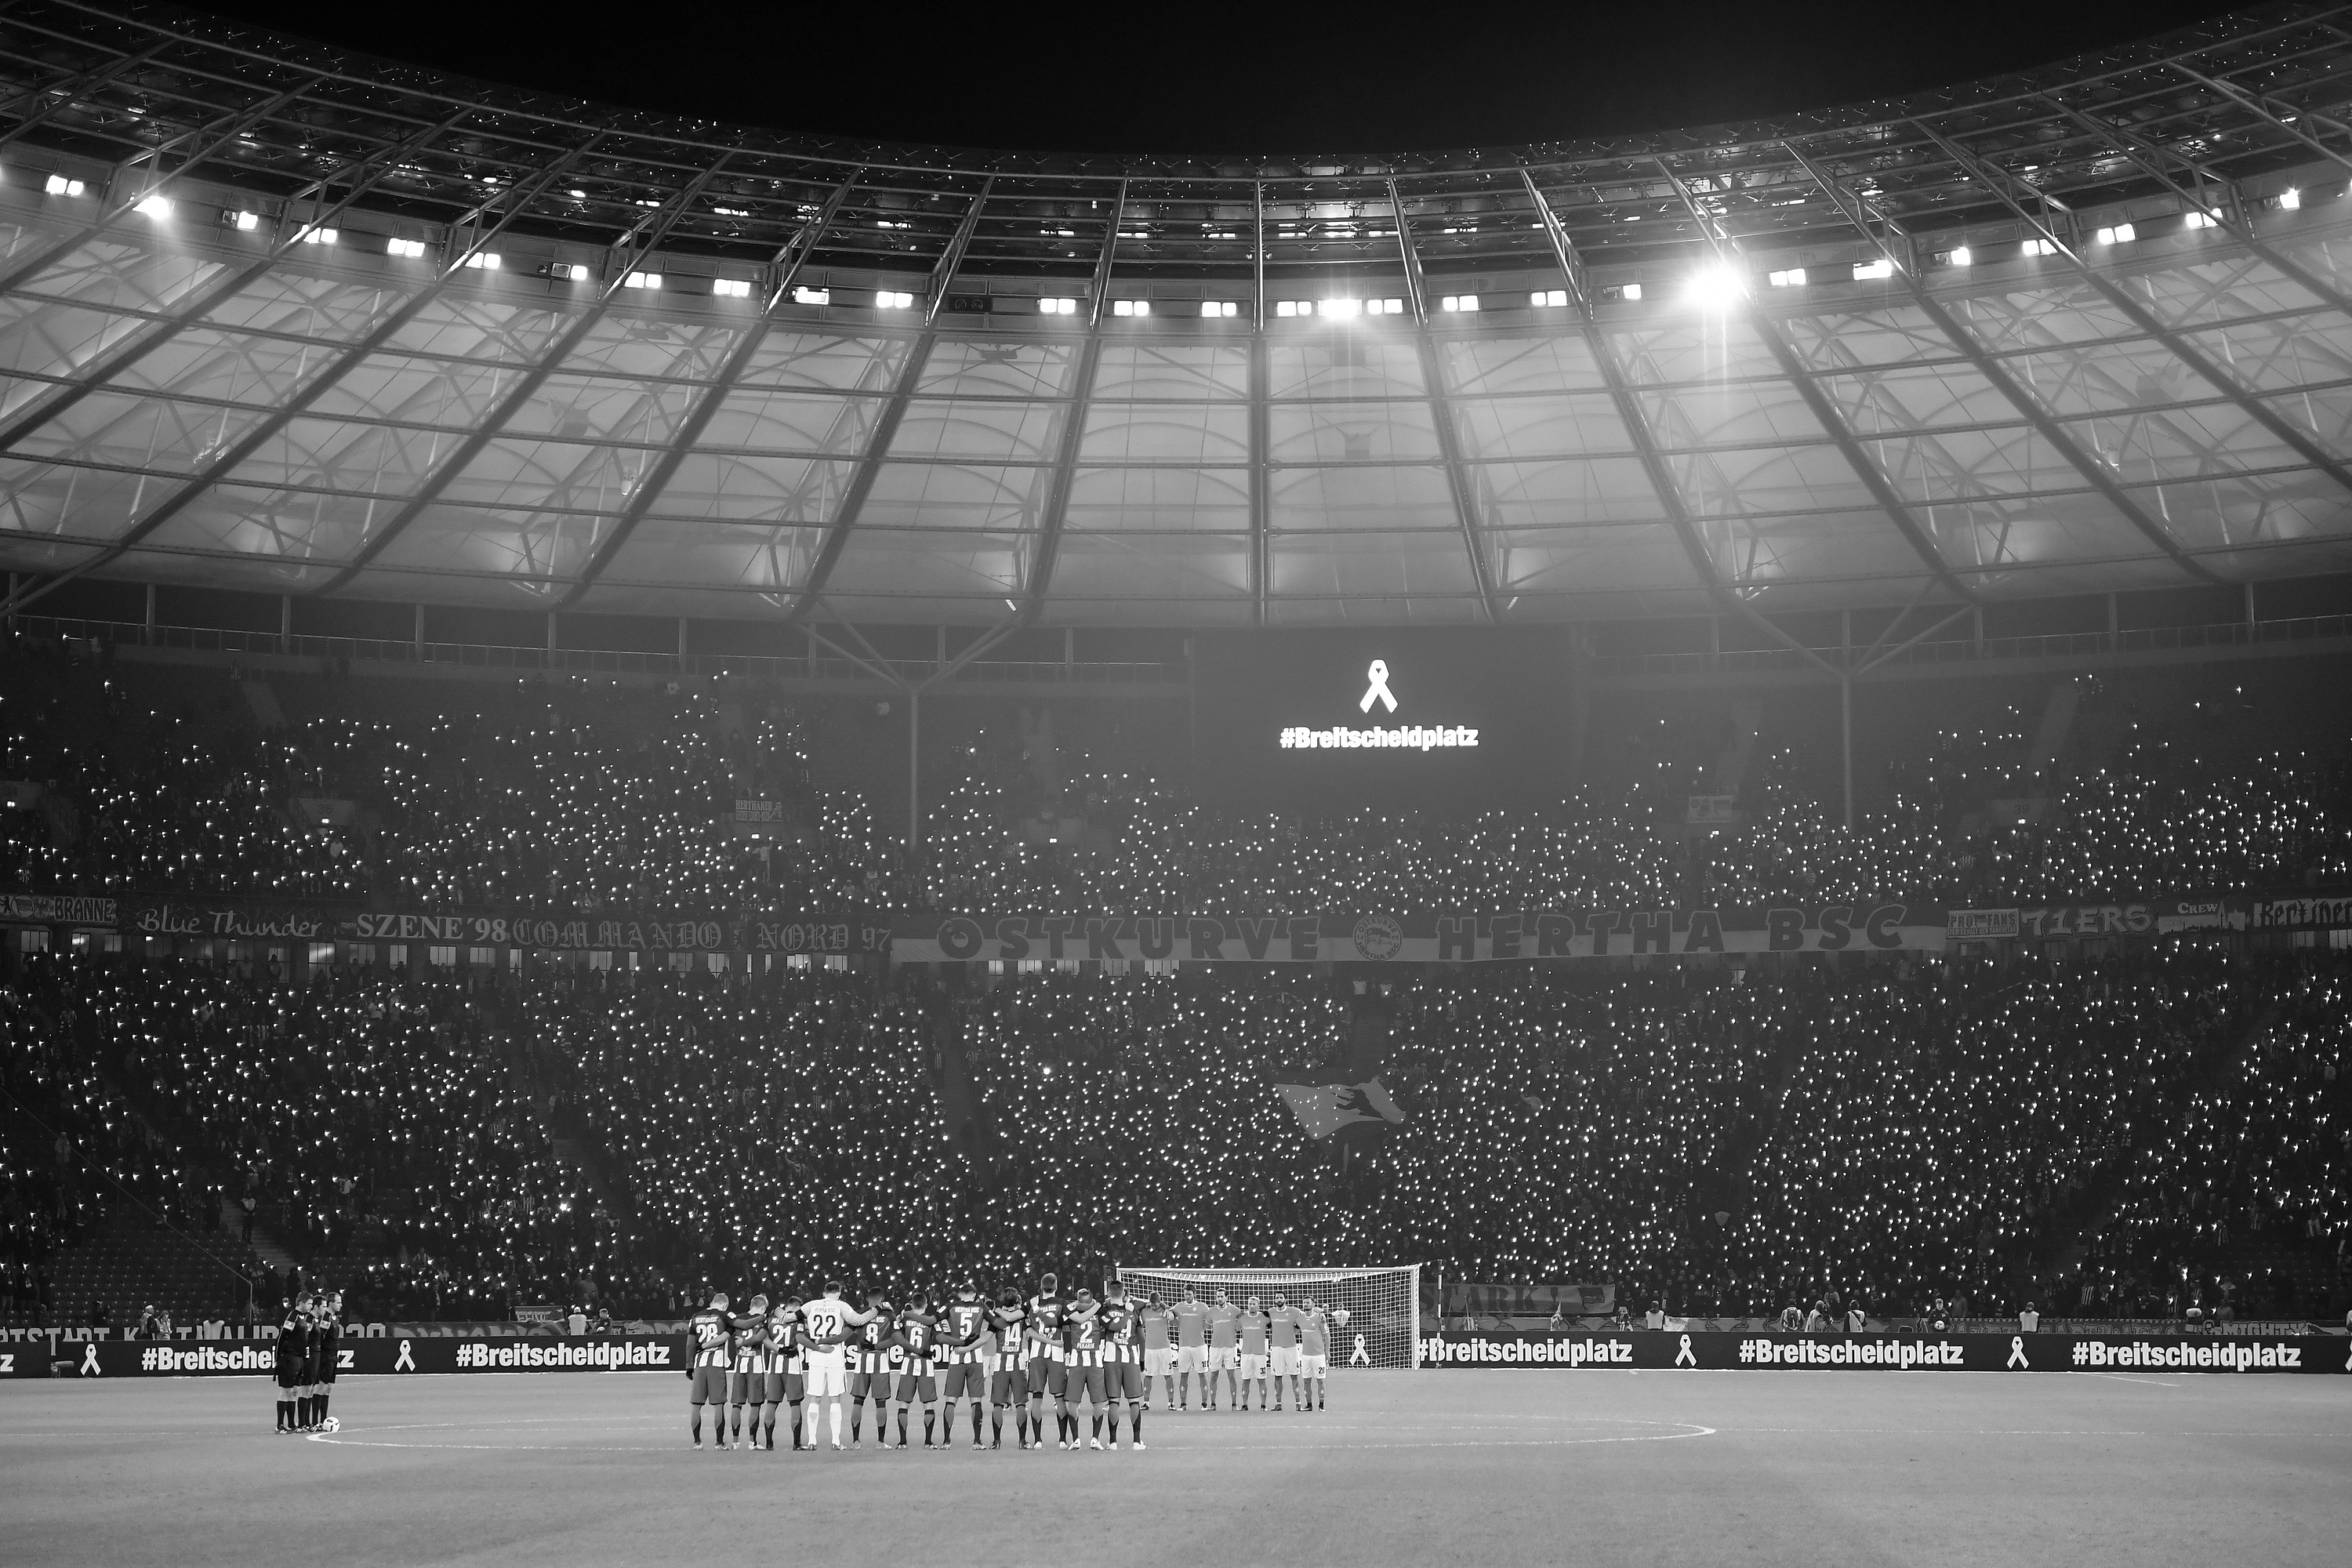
1008 1387
1080 1384
707 1385
745 1387
961 1378
917 1388
1047 1376
870 1385
309 1373
1123 1380
290 1375
771 1388
327 1370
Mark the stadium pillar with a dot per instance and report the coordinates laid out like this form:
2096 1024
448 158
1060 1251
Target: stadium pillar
1845 724
914 773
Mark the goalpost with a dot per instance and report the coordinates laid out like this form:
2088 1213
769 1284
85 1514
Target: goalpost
1383 1306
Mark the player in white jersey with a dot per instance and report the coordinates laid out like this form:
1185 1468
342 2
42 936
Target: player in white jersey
825 1329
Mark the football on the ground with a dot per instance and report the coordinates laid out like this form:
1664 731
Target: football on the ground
331 1424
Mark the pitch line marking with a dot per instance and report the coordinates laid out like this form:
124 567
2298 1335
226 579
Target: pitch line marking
1687 1429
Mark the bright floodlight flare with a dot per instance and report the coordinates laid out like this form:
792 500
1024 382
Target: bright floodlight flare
155 206
1718 286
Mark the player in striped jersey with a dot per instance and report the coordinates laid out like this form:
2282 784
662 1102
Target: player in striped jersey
962 1345
1122 1369
780 1381
872 1369
917 1341
747 1382
1083 1373
1008 1375
709 1350
1043 1331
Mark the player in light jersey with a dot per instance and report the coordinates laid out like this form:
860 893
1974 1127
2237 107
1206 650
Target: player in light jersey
1122 1362
1191 1315
1008 1373
780 1383
1254 1327
1159 1353
963 1331
1043 1329
824 1328
872 1369
747 1381
1083 1370
918 1342
1314 1352
1224 1347
1282 1327
709 1351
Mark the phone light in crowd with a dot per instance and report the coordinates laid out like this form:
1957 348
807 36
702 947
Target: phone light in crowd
157 207
2200 220
2039 247
806 296
731 288
58 185
648 280
246 222
315 235
1788 277
1548 299
2121 234
1058 305
1717 288
1219 310
488 261
1458 302
1863 271
410 249
892 300
1130 307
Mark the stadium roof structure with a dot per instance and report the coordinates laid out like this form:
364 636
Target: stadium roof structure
280 317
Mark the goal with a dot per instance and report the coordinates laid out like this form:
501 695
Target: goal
1383 1325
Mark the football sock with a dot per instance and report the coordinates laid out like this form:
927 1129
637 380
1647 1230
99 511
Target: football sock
285 1413
975 1420
996 1424
796 1426
902 1425
836 1421
930 1424
857 1417
303 1411
321 1411
1098 1427
1135 1421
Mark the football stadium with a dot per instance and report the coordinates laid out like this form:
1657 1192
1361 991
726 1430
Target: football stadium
673 788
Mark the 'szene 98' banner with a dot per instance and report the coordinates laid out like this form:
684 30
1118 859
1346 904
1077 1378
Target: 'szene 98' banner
355 1357
621 930
1424 938
1712 1349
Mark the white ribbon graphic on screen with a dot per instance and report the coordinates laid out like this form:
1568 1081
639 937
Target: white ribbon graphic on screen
2017 1353
1363 1357
402 1363
1379 692
89 1360
1683 1357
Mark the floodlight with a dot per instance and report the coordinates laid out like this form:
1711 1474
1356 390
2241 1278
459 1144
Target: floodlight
731 288
1384 306
1717 288
246 222
483 260
2200 220
1216 309
58 185
1960 255
1458 302
1130 307
1294 307
2121 233
315 235
1630 291
1058 305
2040 247
650 280
156 208
1788 277
1548 299
2290 198
892 300
408 247
804 296
1342 309
1865 270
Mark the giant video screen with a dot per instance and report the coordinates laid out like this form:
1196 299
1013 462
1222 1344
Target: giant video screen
1450 720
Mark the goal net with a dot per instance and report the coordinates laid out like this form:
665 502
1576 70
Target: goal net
1382 1306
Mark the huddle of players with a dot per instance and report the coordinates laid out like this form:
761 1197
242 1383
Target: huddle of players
1016 1354
307 1345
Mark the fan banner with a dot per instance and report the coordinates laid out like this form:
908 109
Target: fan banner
603 931
59 910
1471 1298
1328 1109
1671 1350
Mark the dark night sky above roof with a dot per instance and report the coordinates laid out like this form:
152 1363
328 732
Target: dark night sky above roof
1221 77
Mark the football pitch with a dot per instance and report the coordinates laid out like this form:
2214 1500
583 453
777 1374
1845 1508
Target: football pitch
1433 1468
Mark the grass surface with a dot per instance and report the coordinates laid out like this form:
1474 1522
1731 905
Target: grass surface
1443 1468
